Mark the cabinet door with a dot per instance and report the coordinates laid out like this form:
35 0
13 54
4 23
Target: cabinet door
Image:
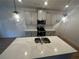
48 19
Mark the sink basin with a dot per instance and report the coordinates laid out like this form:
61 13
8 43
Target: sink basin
45 40
37 40
40 40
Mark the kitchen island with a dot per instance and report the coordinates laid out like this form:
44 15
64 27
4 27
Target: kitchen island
26 48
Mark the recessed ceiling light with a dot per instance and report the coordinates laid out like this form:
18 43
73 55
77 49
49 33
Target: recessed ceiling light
46 3
66 6
20 0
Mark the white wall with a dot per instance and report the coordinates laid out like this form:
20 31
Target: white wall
70 29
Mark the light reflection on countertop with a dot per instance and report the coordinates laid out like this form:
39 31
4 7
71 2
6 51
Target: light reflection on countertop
55 49
25 53
42 52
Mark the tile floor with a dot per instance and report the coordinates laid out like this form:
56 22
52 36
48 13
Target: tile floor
4 43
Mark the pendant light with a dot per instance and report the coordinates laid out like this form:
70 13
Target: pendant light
64 17
15 9
67 5
15 12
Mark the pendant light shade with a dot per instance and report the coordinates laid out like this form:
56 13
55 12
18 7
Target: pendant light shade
16 12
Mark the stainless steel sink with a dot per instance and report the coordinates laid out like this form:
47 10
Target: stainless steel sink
45 40
37 40
42 40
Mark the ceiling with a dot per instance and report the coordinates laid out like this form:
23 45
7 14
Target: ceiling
52 4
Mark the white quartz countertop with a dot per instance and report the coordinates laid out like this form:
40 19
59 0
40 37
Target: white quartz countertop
26 48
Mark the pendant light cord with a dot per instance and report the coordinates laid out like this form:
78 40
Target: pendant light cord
14 2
